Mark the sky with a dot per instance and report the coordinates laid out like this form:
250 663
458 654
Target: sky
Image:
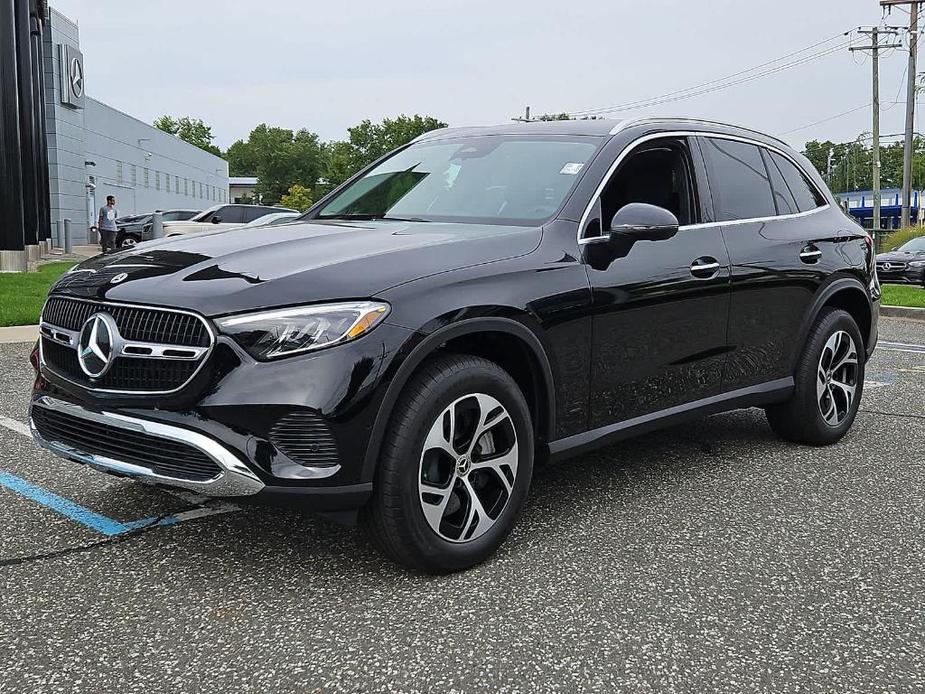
325 66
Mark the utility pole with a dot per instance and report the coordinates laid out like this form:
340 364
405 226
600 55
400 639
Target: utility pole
910 103
874 48
526 118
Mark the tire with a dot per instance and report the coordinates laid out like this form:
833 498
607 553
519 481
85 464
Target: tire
127 240
820 412
421 514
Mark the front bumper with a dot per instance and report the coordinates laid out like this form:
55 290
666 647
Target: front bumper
293 431
910 275
234 480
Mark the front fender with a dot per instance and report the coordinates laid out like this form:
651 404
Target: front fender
428 340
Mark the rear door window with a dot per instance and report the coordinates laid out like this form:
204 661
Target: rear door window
252 213
232 215
805 193
739 180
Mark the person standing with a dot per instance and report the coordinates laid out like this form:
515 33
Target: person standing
106 225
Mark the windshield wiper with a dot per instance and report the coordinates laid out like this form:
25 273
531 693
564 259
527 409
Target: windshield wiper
364 217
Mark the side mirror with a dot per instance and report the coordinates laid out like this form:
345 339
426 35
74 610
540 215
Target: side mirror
639 221
216 220
894 248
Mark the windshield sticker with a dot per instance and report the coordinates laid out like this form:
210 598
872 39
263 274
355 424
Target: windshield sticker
571 169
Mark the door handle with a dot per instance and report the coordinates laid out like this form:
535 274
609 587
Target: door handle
810 253
705 267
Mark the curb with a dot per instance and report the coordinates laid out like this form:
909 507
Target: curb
19 333
902 312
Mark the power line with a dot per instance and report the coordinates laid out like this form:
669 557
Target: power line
824 120
724 82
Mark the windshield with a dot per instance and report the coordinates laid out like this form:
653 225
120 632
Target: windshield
490 179
916 245
206 214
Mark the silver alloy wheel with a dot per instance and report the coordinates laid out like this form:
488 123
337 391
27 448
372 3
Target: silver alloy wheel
128 242
837 378
468 467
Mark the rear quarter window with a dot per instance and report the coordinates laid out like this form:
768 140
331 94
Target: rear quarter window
805 193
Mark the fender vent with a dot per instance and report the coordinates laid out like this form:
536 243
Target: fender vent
305 438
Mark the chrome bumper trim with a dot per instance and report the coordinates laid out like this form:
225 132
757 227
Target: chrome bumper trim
236 479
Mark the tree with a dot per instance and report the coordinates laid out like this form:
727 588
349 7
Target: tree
191 130
298 198
368 141
279 158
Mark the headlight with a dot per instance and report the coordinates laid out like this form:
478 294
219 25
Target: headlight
282 332
917 263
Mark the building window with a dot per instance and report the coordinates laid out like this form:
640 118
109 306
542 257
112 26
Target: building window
118 171
147 175
157 180
133 171
200 191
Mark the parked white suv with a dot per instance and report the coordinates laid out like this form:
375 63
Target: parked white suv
216 217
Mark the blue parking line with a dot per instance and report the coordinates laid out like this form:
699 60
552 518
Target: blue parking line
76 512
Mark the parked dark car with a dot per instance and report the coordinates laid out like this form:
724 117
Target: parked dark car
130 230
474 302
903 265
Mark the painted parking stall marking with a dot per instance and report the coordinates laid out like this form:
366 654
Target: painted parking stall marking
901 347
13 425
105 525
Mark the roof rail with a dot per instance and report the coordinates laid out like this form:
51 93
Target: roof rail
623 124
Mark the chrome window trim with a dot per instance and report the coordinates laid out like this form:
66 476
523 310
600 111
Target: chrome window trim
204 355
626 151
236 479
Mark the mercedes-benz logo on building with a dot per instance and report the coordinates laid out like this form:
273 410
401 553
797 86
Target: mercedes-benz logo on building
96 346
77 77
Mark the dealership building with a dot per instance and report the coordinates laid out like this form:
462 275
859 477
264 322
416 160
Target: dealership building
74 150
95 150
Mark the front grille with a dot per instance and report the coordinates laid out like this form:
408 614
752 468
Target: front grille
135 324
894 267
163 456
136 375
305 438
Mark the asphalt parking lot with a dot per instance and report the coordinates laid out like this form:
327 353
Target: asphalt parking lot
709 557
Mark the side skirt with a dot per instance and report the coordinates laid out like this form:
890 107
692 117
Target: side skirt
762 394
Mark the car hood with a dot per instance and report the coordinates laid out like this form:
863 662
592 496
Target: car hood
900 256
228 271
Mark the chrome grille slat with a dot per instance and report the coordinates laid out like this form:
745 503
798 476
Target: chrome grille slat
151 325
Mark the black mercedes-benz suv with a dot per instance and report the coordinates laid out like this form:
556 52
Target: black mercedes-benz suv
474 302
905 264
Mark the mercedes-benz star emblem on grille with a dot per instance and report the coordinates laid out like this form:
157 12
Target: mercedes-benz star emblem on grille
96 346
119 278
887 266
